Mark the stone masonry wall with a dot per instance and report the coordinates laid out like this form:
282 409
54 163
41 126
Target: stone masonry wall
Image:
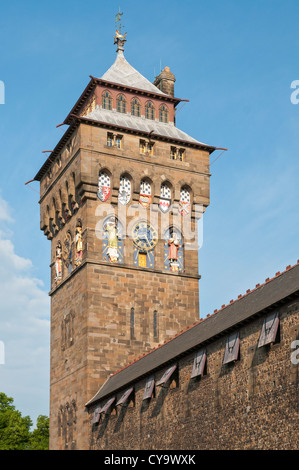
249 404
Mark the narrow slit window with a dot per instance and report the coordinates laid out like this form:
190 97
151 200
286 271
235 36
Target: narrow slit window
155 324
149 388
166 376
199 364
123 399
232 348
132 323
269 330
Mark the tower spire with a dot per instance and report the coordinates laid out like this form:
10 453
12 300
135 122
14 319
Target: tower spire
119 38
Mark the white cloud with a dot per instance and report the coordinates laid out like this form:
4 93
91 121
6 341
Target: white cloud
24 327
4 211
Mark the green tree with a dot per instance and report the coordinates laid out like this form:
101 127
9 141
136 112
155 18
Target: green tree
15 431
39 439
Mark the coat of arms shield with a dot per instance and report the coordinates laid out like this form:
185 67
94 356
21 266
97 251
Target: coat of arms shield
184 204
165 198
104 187
124 194
145 194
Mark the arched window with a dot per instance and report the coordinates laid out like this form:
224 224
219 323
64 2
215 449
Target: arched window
125 187
135 107
163 113
165 198
121 104
173 250
185 201
113 240
149 111
104 186
107 100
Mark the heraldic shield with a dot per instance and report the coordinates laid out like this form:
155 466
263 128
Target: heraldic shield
104 187
124 194
185 205
145 194
165 198
145 200
164 205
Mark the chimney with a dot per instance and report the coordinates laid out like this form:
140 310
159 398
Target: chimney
165 81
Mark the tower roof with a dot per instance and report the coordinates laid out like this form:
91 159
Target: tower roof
123 73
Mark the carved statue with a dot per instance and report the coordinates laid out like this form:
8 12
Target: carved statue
111 228
58 263
174 245
79 245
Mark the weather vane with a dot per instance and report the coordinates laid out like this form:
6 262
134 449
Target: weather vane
119 38
118 19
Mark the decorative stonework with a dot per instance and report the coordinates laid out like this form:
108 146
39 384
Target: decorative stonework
66 421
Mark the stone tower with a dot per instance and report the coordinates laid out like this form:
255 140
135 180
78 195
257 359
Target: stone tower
119 199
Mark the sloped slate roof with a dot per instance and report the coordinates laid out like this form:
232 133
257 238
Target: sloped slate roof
228 318
123 73
141 124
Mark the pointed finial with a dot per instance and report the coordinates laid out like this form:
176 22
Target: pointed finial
119 38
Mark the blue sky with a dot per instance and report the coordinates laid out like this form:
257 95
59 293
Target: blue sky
235 61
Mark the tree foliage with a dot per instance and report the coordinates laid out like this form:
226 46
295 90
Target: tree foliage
15 430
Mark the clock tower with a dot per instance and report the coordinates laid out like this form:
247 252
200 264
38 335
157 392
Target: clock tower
120 196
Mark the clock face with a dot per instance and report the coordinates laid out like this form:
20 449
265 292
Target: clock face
145 237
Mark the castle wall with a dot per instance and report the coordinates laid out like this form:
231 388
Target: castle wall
249 404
